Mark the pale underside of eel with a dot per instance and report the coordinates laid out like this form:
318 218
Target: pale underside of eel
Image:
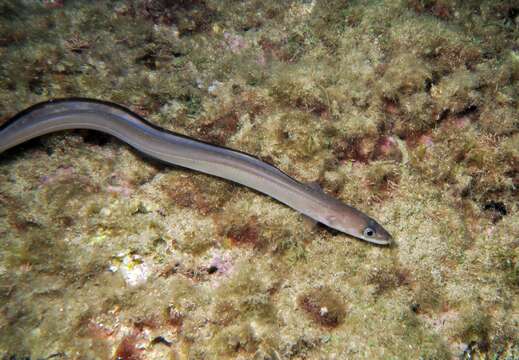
180 150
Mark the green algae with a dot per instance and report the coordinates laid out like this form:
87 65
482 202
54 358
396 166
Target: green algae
404 109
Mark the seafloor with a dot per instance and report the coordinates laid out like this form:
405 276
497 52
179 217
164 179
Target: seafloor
406 109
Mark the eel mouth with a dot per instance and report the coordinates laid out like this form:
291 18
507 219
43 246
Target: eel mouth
386 242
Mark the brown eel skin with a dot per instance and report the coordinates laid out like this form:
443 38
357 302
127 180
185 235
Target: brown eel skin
176 149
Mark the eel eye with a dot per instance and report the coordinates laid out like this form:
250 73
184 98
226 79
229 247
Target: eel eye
369 232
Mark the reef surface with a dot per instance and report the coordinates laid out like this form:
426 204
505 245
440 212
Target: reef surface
407 110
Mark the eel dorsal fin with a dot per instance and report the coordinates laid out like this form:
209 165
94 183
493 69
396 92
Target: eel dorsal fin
314 185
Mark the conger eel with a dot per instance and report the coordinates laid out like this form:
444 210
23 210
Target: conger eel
176 149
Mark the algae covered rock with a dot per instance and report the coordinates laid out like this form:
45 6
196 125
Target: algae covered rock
407 110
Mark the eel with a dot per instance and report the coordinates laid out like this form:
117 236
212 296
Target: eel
176 149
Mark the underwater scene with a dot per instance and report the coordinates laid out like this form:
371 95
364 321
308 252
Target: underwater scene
130 230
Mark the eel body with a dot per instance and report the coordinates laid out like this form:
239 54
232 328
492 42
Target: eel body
176 149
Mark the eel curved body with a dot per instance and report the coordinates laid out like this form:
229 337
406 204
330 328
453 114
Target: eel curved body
186 152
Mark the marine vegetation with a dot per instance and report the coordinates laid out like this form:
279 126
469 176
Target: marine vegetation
408 110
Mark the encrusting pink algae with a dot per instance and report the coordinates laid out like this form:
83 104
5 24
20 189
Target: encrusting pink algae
407 110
